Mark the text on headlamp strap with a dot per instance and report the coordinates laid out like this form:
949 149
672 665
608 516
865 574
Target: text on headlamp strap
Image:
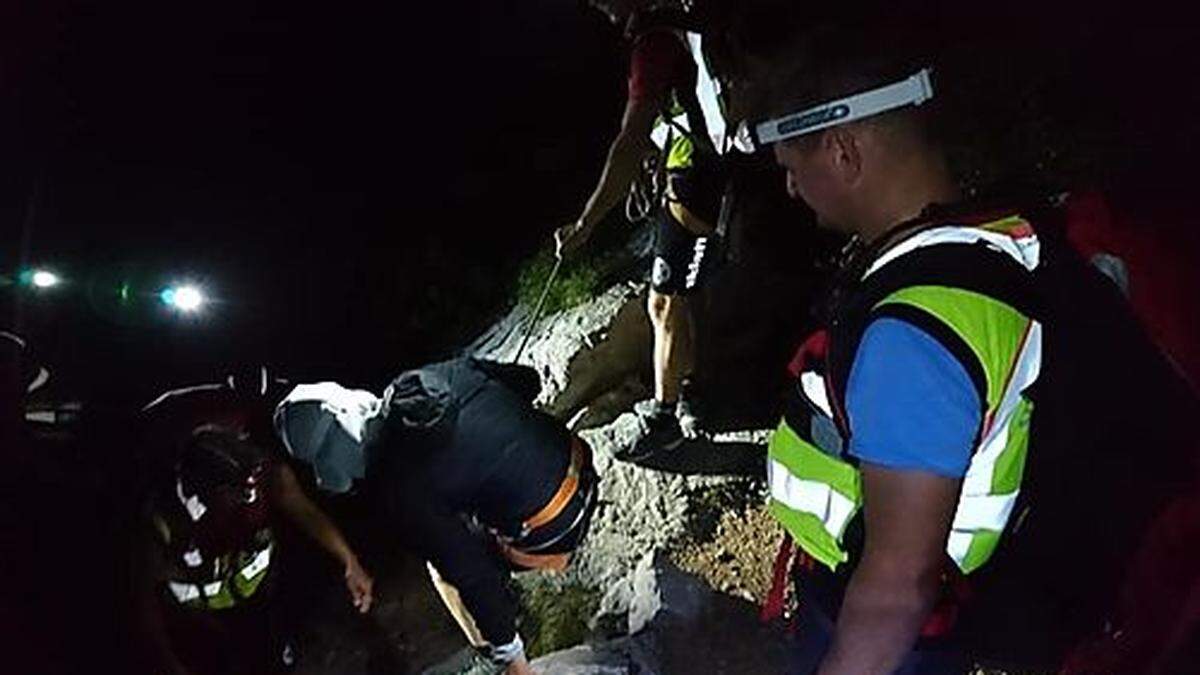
913 90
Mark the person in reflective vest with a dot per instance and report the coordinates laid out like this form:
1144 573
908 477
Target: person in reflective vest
476 481
673 103
209 555
954 443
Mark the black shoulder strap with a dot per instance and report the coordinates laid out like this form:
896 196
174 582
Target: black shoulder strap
971 267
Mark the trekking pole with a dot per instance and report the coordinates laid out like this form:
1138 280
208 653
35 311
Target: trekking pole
537 309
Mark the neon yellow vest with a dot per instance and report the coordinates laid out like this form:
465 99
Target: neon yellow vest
219 582
816 493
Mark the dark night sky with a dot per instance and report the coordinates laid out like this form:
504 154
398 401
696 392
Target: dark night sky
357 182
354 181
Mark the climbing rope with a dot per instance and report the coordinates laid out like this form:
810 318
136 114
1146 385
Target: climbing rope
537 309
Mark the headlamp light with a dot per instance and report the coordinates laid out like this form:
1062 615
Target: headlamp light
913 90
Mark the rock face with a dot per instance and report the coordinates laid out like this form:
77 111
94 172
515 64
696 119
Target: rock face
651 616
584 354
615 657
643 511
675 584
677 622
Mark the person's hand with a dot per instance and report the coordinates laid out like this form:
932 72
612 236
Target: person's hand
360 585
570 237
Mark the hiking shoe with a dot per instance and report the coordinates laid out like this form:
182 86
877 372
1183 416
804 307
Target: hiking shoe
660 431
689 419
652 407
689 411
466 661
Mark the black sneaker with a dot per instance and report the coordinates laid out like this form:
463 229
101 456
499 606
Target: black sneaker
660 431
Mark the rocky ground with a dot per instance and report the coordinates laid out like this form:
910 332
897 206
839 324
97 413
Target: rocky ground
664 578
736 559
652 560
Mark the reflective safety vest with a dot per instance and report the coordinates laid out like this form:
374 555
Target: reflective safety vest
815 485
201 578
234 579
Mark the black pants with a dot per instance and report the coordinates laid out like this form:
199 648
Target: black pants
235 641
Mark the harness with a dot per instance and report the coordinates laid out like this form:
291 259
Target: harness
578 487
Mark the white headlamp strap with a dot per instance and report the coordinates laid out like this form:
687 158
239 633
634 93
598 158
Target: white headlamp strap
913 90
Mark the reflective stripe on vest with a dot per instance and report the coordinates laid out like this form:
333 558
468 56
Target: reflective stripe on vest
814 495
1008 346
223 594
1012 236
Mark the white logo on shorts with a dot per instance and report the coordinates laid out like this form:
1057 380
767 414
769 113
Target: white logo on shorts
697 260
661 272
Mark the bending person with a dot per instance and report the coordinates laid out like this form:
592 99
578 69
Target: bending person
478 482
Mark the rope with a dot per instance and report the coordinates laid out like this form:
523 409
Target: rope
537 310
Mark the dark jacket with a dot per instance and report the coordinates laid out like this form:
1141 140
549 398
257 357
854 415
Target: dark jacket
463 452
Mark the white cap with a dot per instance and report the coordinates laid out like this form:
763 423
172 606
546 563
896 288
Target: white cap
325 425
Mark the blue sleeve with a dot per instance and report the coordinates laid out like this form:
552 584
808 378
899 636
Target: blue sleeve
910 403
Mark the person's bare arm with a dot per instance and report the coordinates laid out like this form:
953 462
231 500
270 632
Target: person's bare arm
291 501
908 516
620 169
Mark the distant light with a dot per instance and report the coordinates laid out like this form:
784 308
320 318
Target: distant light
183 298
44 279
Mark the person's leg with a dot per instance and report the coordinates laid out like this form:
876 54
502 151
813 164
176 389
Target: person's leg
697 225
674 339
482 657
458 610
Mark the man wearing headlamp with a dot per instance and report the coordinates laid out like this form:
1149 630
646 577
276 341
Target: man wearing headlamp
959 398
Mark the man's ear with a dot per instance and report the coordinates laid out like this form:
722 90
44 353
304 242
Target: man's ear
844 152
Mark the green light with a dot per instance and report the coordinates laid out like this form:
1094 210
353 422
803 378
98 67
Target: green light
124 292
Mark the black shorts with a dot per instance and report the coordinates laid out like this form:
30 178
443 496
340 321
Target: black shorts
683 259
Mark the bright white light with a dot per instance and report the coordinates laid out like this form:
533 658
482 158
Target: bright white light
183 298
44 279
188 298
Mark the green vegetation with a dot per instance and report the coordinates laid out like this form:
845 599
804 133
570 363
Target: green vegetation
555 616
578 281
